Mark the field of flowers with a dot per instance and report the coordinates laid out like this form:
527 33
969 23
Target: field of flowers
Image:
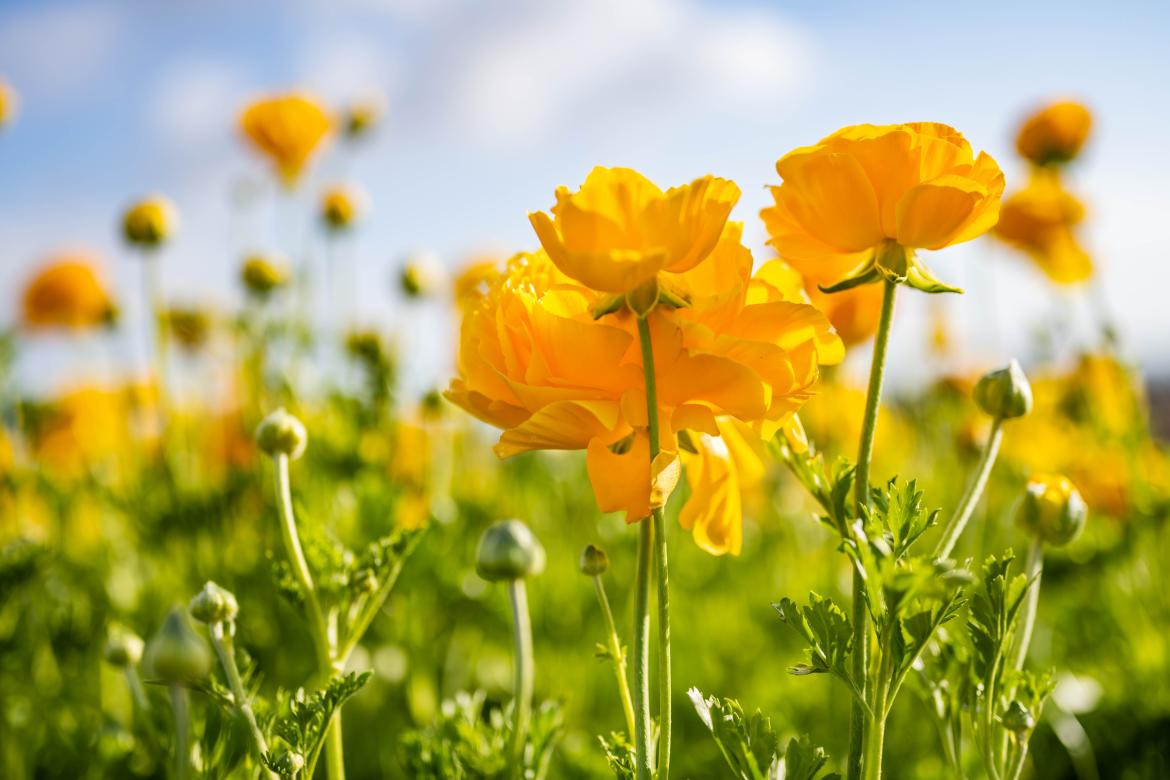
648 529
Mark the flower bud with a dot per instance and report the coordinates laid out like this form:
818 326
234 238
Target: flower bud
508 551
123 647
282 434
261 276
1004 393
176 653
1018 718
1052 509
213 604
288 763
422 275
150 222
594 561
339 208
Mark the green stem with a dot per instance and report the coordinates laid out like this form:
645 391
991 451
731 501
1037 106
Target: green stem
1035 566
152 286
327 664
642 747
860 618
522 695
222 642
973 493
136 690
661 558
181 706
368 612
615 650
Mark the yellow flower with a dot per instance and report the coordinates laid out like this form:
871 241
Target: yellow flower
149 222
473 282
67 293
534 362
362 116
261 275
287 129
1055 133
81 428
190 326
340 206
863 199
722 469
620 229
9 103
1040 220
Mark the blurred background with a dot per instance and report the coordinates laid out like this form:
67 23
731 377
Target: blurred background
111 512
489 106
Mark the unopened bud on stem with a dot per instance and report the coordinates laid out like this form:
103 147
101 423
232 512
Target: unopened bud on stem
509 551
1004 393
213 604
594 561
1052 509
282 434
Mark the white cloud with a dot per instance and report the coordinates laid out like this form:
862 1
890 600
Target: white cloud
527 69
61 49
194 101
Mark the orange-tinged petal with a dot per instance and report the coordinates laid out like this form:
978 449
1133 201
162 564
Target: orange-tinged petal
564 425
830 196
621 483
931 214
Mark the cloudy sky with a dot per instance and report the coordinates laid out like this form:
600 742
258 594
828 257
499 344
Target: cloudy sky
492 104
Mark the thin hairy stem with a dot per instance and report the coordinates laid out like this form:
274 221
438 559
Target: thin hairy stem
524 668
1035 567
973 493
222 642
642 747
616 652
182 709
860 619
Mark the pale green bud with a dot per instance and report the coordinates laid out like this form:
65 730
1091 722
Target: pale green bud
213 604
282 434
594 561
509 551
176 653
1052 509
123 647
1004 393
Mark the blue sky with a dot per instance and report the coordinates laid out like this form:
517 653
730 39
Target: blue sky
492 104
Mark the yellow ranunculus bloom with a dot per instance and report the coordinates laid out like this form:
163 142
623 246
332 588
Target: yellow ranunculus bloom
1040 220
340 207
8 103
81 428
149 222
473 282
287 129
67 293
869 195
854 313
534 362
722 469
1055 133
620 229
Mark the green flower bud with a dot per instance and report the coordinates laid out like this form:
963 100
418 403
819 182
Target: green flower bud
149 222
261 275
594 561
1052 509
508 551
213 604
176 653
123 647
282 434
1005 392
288 763
1018 718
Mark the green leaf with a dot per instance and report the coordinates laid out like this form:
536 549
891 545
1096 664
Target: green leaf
750 746
803 761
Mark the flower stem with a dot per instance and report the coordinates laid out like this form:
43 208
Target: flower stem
860 619
522 695
1035 566
222 642
181 706
159 336
615 650
642 651
661 558
134 681
973 493
327 664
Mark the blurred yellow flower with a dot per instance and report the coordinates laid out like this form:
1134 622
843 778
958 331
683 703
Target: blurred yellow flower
287 129
867 196
1040 220
534 362
620 229
149 222
472 283
190 326
80 429
261 275
1055 133
67 293
723 468
9 103
340 207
